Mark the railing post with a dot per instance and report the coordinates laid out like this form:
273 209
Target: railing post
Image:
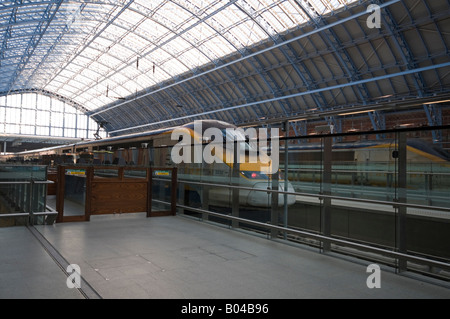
326 190
174 191
274 207
181 196
60 194
401 209
235 182
30 205
149 191
89 171
286 174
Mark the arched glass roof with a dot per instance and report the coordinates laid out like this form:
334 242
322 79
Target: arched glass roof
134 65
95 52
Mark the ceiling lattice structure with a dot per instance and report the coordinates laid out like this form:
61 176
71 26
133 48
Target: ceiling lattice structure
137 65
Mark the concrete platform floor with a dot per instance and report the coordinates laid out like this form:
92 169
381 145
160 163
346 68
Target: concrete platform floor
131 256
27 271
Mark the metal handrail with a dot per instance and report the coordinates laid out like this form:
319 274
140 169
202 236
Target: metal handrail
319 196
385 252
15 183
27 214
15 215
337 170
45 213
26 182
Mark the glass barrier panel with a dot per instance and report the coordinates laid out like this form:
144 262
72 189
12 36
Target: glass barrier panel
39 197
189 194
19 193
74 192
105 173
161 190
25 172
363 169
304 174
135 173
350 187
428 184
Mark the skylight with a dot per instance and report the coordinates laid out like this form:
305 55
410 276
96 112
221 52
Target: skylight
96 52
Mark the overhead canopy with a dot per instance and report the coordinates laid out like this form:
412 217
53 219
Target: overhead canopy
138 64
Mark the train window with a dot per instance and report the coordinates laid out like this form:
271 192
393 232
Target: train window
236 135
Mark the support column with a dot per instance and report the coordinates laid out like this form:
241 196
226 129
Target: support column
401 210
235 182
286 183
274 213
326 190
205 201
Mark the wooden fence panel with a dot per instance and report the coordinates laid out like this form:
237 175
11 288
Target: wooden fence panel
116 192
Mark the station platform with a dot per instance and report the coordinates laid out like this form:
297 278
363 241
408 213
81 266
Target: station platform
129 256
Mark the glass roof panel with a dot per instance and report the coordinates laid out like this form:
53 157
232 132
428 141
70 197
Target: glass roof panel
173 67
81 48
145 79
319 6
194 58
106 62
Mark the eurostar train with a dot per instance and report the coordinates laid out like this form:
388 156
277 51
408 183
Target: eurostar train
153 148
371 163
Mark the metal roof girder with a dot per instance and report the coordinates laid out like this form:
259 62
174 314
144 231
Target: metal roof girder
317 21
34 41
378 121
269 80
434 116
304 74
403 48
300 128
347 63
267 49
52 47
212 89
343 56
232 76
266 76
110 21
378 78
49 94
7 34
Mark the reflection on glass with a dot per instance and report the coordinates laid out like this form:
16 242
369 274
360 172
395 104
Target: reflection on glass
106 173
129 173
161 192
18 194
74 192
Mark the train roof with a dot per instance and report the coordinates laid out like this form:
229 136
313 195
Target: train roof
429 148
205 124
417 143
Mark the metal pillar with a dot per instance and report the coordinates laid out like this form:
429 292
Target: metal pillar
434 116
235 182
326 190
205 200
286 183
401 210
274 201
